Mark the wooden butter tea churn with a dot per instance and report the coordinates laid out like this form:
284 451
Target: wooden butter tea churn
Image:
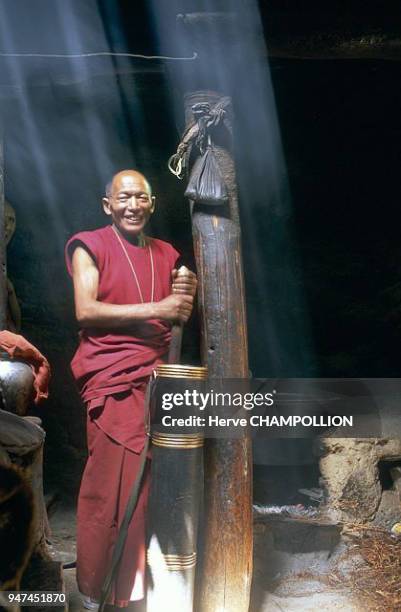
175 492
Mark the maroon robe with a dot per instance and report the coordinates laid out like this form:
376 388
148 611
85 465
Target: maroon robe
111 369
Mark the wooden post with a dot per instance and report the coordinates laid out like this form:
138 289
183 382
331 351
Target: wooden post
225 570
3 251
225 579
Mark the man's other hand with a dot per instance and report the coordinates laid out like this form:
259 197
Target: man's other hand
184 281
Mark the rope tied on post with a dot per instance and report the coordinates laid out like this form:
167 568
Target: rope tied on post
206 117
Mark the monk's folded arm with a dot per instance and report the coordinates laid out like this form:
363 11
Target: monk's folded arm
90 312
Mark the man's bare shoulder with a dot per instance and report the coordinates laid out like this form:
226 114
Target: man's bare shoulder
91 241
81 258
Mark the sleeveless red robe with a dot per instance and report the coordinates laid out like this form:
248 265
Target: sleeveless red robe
111 368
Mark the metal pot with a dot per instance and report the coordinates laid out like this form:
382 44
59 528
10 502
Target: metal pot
16 385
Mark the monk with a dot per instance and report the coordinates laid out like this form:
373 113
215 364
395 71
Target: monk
127 294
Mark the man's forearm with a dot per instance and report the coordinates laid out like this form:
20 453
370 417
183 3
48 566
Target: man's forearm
103 315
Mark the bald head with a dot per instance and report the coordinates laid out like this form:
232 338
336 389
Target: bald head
126 178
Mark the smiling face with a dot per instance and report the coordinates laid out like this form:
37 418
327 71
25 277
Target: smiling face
129 203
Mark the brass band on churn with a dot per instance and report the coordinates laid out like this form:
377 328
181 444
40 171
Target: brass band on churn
172 563
184 441
167 370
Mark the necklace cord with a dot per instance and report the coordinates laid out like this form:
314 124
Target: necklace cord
131 265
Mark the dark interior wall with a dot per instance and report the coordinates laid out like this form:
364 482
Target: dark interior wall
341 129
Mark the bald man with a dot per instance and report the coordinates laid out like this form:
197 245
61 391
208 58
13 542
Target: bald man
127 294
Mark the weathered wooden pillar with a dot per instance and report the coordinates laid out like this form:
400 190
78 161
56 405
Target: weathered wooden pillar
21 437
225 573
3 269
224 584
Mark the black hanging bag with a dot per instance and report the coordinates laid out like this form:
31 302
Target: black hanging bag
206 185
